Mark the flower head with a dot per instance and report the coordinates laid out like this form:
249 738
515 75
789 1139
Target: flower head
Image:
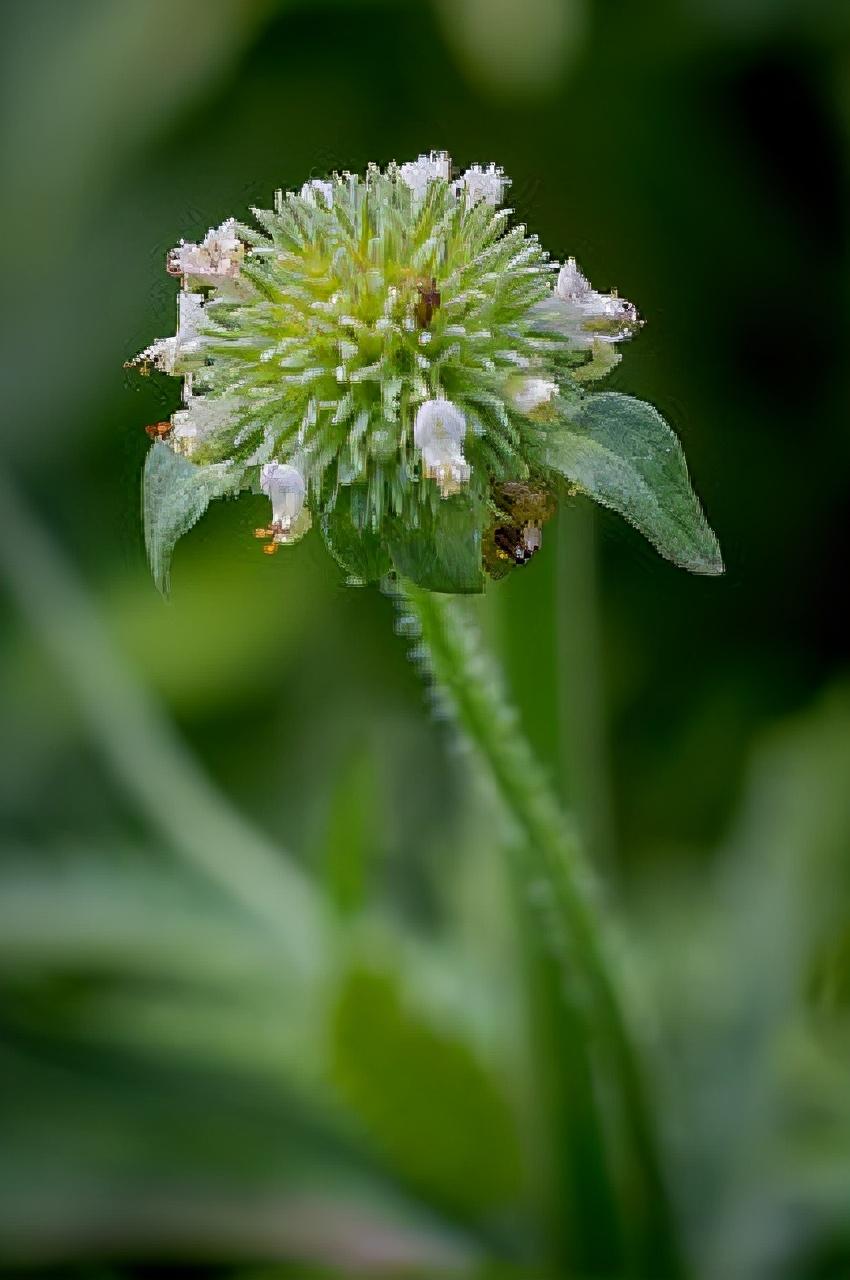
388 355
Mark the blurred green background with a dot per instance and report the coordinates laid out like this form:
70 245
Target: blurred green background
267 1006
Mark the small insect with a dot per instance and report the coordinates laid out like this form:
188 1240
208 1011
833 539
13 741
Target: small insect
516 534
159 430
517 542
429 301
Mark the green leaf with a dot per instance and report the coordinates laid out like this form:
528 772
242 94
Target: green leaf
429 1104
361 552
444 553
622 453
175 494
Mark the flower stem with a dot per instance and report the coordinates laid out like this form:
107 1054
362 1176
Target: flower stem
560 887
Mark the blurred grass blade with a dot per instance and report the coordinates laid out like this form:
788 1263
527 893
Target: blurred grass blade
425 1098
576 1190
139 745
348 849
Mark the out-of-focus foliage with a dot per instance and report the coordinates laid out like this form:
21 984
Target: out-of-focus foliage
269 1002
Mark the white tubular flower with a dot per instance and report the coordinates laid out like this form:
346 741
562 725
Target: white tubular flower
182 352
217 258
584 315
287 492
483 184
416 174
320 185
438 433
528 395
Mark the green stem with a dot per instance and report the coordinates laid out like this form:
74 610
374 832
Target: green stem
561 888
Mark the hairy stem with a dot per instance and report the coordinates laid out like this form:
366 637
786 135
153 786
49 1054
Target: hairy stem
560 888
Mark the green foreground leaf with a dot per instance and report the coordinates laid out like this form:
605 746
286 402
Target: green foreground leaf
622 453
175 494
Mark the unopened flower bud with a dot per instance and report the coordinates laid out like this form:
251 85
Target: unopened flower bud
530 394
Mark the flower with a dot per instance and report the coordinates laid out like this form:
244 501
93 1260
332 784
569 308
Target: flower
317 186
438 433
584 315
531 394
285 487
482 184
183 351
417 174
217 258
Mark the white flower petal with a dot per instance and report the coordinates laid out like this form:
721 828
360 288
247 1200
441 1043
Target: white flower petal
583 314
483 184
218 257
438 432
287 492
320 185
417 174
438 420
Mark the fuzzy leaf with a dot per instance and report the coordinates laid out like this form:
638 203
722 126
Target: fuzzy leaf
622 453
444 553
175 494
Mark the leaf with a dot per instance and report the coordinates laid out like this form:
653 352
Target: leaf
444 553
361 552
622 453
428 1102
175 494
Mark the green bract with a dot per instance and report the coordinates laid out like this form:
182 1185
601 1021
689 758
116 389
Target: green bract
389 360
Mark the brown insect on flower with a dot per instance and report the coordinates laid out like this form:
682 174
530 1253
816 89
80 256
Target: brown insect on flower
429 301
516 534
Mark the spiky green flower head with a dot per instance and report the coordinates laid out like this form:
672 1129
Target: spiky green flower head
389 359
